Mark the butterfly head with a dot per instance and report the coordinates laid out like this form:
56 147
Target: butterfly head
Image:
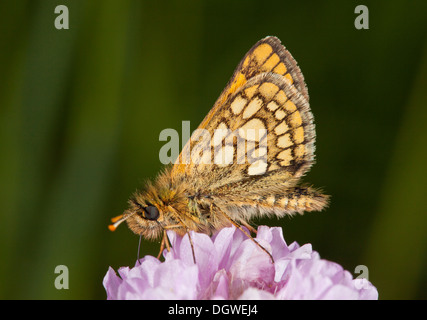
142 217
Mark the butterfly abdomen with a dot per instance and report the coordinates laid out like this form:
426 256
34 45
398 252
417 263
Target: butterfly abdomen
293 200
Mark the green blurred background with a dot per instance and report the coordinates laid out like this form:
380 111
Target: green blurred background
81 111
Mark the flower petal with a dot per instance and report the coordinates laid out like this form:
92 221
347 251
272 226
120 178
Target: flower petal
231 266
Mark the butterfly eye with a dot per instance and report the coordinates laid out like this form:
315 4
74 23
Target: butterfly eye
151 213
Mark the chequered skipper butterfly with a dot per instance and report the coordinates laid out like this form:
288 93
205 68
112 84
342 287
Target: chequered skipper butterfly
265 105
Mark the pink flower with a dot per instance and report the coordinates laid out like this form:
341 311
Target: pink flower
231 266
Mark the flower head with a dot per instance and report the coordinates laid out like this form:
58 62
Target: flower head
231 266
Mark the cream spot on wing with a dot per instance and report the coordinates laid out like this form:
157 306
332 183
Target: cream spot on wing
224 155
253 130
268 90
252 108
280 114
238 104
257 168
281 128
220 133
206 157
286 156
272 106
259 152
284 141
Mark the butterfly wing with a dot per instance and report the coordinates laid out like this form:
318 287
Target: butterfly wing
265 109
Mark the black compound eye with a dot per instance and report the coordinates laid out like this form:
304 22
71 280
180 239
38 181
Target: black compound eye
151 213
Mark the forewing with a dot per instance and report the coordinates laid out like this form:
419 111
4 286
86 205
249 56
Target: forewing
267 91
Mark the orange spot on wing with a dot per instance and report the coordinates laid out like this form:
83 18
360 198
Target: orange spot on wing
262 52
280 69
271 63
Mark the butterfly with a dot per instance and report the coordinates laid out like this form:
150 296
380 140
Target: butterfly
245 159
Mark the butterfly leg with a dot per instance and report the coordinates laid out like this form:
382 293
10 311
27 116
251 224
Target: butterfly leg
187 230
249 227
192 246
166 239
139 247
238 226
165 242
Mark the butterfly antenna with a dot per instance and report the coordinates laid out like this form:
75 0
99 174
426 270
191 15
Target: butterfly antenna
139 247
116 221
